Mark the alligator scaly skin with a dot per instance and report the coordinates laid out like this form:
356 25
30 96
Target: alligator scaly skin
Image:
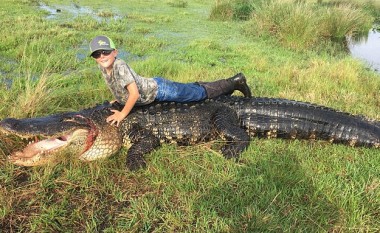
234 119
289 119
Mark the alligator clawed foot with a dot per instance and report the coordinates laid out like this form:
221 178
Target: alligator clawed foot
233 150
230 152
135 162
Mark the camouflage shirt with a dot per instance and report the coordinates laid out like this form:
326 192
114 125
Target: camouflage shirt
122 75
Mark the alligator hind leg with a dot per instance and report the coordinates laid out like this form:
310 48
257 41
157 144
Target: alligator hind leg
143 142
227 125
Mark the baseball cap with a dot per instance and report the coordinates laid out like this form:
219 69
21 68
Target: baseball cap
101 43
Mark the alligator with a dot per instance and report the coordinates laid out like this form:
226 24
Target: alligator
86 135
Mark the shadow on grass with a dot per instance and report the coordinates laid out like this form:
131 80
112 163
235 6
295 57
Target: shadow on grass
271 195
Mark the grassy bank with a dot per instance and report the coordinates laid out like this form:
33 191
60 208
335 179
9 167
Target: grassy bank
300 25
281 186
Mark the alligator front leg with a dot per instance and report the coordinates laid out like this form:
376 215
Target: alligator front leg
143 142
227 125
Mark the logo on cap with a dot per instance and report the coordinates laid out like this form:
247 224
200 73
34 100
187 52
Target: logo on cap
101 43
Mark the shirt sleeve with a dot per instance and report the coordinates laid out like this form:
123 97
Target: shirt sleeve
126 75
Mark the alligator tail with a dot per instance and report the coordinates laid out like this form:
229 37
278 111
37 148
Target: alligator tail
279 118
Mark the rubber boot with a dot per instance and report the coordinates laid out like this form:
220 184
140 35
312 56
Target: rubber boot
227 86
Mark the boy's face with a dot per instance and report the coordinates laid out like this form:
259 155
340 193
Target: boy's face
105 58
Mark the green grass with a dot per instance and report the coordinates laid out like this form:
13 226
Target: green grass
300 24
304 25
276 186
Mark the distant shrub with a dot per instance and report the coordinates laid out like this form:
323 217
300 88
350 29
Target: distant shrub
304 25
222 11
370 6
178 3
234 9
243 9
344 20
105 14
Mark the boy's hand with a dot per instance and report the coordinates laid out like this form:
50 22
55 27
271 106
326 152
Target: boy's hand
115 118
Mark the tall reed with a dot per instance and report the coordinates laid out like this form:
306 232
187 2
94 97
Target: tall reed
304 25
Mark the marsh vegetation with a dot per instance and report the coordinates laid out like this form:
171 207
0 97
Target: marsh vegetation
286 49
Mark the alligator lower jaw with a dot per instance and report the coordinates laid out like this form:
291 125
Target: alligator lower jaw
46 150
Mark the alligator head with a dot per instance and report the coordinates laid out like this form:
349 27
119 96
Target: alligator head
85 133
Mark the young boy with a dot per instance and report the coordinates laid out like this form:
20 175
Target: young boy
132 89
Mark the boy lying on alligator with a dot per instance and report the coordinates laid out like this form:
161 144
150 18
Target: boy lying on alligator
87 135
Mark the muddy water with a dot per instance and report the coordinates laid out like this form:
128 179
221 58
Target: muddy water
367 49
71 11
75 10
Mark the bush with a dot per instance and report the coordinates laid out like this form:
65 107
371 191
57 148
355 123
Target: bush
222 11
178 3
234 9
304 25
243 9
344 20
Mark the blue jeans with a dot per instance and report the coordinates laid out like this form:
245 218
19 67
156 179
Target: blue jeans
179 92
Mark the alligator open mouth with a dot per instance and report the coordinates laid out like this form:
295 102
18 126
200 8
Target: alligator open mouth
84 135
38 150
43 139
36 145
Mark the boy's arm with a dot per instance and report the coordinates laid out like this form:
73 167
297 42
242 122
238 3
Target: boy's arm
118 116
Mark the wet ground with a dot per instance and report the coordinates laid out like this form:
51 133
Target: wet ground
54 12
72 11
365 48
